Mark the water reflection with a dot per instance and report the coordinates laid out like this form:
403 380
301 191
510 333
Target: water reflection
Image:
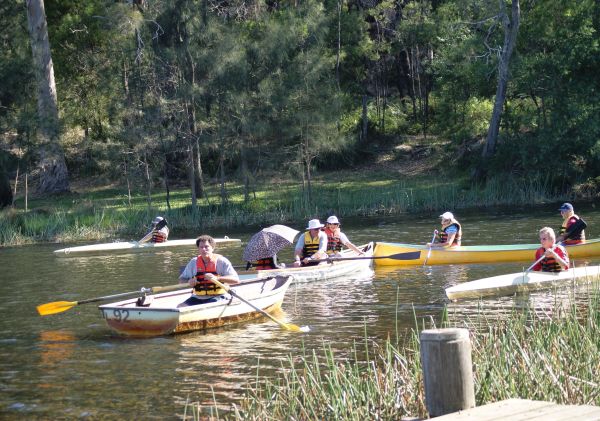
86 371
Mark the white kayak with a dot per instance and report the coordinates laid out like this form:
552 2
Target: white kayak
522 281
167 313
135 247
348 263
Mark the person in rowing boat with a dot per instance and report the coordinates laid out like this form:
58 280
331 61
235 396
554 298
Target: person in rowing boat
451 233
312 245
336 238
572 229
159 233
201 270
551 257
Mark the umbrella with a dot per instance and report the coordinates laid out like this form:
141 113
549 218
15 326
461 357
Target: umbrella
268 241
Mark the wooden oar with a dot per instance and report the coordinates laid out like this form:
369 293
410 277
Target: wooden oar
60 306
430 246
288 326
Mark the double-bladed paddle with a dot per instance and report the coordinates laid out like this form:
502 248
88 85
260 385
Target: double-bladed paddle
410 255
60 306
287 326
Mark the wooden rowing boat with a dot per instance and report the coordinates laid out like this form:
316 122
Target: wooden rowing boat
166 315
522 281
134 247
328 270
475 254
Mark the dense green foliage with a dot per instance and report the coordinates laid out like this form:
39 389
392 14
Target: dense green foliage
170 91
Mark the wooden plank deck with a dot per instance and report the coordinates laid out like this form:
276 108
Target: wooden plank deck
523 409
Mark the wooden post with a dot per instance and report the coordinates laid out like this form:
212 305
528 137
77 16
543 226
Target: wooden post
447 370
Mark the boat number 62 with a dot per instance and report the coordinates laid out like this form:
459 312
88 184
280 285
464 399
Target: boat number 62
118 315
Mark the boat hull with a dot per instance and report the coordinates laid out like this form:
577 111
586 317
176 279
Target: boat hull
521 282
475 254
165 315
327 270
134 247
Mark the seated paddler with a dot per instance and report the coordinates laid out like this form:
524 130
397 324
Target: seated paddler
159 233
203 269
550 257
336 239
266 263
450 234
572 229
311 247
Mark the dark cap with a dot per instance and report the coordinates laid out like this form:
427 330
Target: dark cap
566 207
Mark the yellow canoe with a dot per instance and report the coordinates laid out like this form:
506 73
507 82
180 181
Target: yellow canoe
473 254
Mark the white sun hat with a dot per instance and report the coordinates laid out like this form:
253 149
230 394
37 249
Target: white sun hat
447 216
314 224
333 220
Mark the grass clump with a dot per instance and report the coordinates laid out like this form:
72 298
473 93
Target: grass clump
550 356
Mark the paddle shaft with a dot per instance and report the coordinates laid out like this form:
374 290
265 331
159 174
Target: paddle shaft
227 288
430 246
61 306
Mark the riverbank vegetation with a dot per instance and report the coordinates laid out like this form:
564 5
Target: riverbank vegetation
219 96
540 355
114 212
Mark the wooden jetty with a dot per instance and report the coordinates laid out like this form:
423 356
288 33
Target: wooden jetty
449 386
523 409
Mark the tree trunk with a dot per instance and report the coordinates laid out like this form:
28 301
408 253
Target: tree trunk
54 177
192 176
224 200
245 172
511 29
365 118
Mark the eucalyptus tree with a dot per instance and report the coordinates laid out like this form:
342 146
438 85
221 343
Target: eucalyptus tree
53 177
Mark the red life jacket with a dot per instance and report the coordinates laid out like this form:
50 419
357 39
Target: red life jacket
265 264
549 264
158 237
575 238
443 235
334 244
205 287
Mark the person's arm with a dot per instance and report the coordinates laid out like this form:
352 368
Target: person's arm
189 273
347 243
560 256
298 250
322 251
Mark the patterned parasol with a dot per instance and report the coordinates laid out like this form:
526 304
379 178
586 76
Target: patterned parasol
269 241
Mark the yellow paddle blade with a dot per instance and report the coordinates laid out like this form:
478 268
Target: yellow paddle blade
55 307
295 328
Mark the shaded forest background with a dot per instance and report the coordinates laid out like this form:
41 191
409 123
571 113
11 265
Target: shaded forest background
175 92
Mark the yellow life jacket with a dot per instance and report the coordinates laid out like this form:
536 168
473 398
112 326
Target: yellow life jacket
311 245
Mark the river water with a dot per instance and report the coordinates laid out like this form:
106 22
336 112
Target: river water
70 365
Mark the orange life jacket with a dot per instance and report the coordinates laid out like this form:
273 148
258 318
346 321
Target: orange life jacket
265 264
549 264
443 235
575 238
334 244
205 287
158 237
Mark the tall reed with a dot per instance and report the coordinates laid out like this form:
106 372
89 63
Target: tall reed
549 356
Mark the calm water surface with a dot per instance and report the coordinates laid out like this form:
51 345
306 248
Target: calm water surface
70 365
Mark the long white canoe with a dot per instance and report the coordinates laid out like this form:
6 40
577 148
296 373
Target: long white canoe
522 281
134 247
167 314
328 269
